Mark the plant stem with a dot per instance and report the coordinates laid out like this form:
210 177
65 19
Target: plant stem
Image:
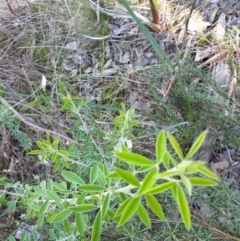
154 8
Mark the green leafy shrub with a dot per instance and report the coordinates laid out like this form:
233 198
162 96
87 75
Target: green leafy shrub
119 194
12 123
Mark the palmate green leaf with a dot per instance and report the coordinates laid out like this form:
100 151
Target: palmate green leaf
72 177
160 188
60 216
196 145
143 215
130 210
198 181
92 188
123 206
148 181
183 207
83 208
175 145
128 177
105 205
97 227
80 224
204 170
160 146
155 206
134 159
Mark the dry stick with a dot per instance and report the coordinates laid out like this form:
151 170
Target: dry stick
10 9
185 31
182 49
32 126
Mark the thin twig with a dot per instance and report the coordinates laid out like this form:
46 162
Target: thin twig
185 31
32 126
10 9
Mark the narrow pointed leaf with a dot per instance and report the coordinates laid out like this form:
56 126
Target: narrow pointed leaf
40 220
175 146
143 215
94 174
165 160
72 177
97 227
193 167
174 191
169 173
155 206
91 188
122 207
55 197
187 184
145 168
44 207
128 177
114 175
134 159
60 216
204 170
160 188
198 181
105 205
81 198
80 224
160 146
124 148
148 181
130 210
183 207
123 196
196 145
83 208
67 226
50 184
